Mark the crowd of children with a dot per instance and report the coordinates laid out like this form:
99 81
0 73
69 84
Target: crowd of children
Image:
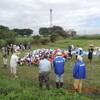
34 57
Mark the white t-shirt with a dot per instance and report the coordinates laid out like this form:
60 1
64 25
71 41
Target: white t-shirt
13 61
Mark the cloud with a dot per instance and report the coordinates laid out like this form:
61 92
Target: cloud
69 14
52 1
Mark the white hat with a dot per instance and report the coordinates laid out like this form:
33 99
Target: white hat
59 53
80 48
79 58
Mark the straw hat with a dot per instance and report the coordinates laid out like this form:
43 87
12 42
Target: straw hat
91 45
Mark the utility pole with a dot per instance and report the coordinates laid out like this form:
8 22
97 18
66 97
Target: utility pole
50 17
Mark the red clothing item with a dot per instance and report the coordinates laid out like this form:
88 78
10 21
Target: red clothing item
64 54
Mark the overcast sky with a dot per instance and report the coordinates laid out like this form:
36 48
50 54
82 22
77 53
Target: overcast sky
81 15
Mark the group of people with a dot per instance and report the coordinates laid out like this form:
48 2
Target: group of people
34 57
79 51
45 58
10 49
79 71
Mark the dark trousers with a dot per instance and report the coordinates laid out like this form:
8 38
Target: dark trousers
44 77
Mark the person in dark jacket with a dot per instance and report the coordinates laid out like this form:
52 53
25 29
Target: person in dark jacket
90 54
79 73
59 70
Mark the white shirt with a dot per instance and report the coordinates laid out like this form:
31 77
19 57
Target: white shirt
13 61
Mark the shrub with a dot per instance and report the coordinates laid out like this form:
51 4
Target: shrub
54 37
44 41
23 40
37 39
2 43
9 36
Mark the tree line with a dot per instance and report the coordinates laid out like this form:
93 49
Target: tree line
56 30
54 33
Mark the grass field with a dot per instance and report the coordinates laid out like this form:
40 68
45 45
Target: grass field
26 86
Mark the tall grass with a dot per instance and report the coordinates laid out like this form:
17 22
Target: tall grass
87 37
25 89
17 41
63 44
24 40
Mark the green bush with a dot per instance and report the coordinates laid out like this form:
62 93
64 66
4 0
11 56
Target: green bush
23 40
54 37
37 39
2 43
44 41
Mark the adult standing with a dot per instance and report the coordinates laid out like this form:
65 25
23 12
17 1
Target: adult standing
90 54
70 48
59 63
8 49
99 54
79 73
11 48
5 60
28 45
44 71
25 45
13 63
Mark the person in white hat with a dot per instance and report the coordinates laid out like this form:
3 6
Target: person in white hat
59 63
79 73
90 54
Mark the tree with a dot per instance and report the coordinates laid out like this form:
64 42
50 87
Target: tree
37 39
51 30
55 29
23 32
48 31
63 34
3 28
6 34
71 32
54 37
10 37
44 31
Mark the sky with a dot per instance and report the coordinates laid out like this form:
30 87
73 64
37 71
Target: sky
81 15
